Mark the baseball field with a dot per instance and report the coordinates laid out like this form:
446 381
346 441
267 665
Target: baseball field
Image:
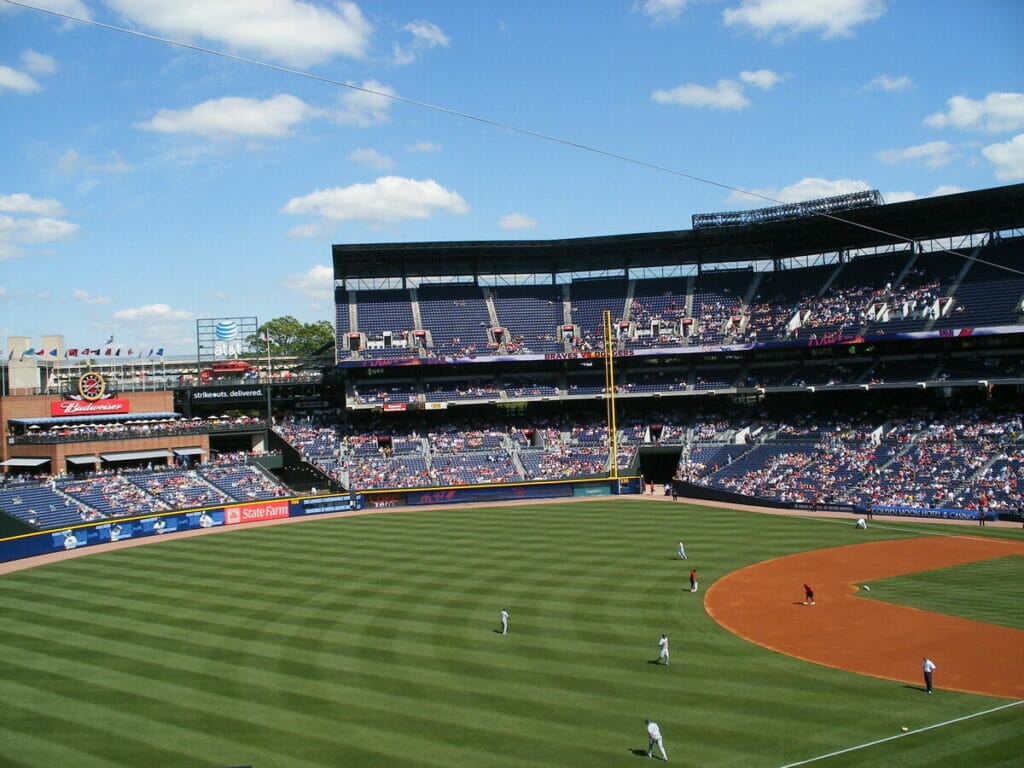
372 640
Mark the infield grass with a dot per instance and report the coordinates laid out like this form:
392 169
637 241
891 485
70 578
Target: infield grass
989 590
371 641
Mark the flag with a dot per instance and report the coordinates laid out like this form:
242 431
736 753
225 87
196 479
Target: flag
53 353
11 356
118 353
130 352
29 351
40 352
72 353
110 340
107 353
160 352
150 353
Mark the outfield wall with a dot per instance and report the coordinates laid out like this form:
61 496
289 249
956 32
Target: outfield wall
112 530
694 491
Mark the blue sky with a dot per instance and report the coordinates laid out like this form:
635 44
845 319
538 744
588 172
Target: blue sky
144 185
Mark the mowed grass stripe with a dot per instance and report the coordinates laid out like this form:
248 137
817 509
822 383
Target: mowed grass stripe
345 626
370 715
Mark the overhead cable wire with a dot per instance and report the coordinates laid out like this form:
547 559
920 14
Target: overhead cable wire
485 121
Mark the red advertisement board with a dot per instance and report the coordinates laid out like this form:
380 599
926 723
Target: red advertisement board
254 513
87 408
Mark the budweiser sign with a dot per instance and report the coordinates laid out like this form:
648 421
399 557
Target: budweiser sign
85 408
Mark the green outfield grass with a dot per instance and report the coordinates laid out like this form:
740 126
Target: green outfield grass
371 641
990 591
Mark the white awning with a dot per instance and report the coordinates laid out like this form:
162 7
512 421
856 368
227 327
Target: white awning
33 462
85 459
188 451
136 455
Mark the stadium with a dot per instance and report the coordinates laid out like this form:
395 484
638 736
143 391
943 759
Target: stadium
542 420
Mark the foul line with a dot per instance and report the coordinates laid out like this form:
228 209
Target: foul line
901 735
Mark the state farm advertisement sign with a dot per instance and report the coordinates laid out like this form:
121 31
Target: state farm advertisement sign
254 513
87 408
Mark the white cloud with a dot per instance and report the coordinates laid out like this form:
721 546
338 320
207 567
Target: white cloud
933 154
996 112
661 10
517 221
87 298
388 199
233 116
810 188
726 94
38 63
899 197
832 18
942 189
317 283
22 81
70 7
425 35
1007 158
13 80
889 83
424 148
152 312
365 105
71 163
41 230
14 231
20 202
371 158
764 79
291 31
318 228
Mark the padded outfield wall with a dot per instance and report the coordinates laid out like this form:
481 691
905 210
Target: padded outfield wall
111 530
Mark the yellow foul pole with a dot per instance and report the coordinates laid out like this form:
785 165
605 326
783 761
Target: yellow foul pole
609 398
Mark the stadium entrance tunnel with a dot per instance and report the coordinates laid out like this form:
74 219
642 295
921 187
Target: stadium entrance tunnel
658 464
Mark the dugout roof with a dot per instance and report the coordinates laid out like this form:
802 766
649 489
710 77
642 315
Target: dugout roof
987 210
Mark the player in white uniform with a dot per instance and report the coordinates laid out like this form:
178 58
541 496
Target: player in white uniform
663 649
654 737
682 551
503 616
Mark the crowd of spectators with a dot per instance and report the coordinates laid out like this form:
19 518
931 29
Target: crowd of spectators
47 501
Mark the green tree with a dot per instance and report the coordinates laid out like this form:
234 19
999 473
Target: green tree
290 337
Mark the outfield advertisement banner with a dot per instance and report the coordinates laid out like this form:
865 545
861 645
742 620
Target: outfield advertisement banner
507 493
321 505
945 514
255 513
119 530
591 490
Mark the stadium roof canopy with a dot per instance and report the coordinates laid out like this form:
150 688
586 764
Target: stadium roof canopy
934 218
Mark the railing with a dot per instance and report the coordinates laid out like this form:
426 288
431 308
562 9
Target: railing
87 436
